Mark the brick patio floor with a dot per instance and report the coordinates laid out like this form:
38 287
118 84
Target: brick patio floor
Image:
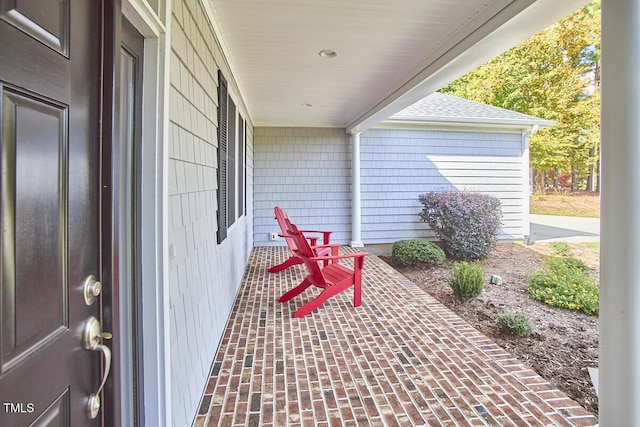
401 359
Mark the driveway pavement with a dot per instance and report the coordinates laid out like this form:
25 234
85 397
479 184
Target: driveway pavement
548 228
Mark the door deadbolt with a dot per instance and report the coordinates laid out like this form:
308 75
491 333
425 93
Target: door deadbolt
91 289
92 337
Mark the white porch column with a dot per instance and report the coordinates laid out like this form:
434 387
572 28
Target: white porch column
526 184
619 375
356 219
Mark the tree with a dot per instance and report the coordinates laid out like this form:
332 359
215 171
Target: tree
554 75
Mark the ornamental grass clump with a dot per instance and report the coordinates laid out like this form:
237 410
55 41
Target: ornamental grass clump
411 252
515 324
468 280
565 284
466 223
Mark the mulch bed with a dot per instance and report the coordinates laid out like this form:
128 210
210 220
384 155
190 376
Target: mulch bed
564 342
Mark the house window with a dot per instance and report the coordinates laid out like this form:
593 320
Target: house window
231 160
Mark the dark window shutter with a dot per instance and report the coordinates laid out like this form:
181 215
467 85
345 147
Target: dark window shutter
231 164
223 116
241 165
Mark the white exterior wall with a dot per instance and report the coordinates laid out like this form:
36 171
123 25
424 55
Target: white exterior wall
397 165
305 171
203 276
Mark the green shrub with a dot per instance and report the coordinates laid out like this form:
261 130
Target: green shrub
561 248
410 252
564 284
515 323
562 264
467 223
468 280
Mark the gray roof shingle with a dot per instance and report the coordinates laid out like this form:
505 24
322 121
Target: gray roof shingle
441 107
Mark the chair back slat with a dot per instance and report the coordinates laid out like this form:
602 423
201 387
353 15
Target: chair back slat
304 251
285 226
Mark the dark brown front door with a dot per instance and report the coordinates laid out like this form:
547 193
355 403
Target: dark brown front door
50 68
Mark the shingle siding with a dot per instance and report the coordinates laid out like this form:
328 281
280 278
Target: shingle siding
203 276
398 165
307 172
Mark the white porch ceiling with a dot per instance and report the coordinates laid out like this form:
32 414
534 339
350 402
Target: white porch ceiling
391 53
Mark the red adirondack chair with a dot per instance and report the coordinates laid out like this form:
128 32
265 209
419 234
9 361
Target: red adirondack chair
284 222
332 278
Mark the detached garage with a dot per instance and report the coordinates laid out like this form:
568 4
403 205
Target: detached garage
441 142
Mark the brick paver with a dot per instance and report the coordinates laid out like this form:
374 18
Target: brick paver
401 359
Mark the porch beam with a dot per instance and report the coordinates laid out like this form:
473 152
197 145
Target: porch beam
619 359
356 210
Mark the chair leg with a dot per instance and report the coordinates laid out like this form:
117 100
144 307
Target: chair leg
357 283
293 260
357 294
292 293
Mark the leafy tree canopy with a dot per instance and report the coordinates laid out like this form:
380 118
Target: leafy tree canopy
554 75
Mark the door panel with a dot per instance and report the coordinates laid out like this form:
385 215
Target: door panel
50 28
49 219
35 160
57 414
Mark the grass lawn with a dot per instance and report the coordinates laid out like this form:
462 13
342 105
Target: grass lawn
589 252
570 204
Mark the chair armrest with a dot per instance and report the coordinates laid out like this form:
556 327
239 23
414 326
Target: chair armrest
312 240
330 245
315 231
326 235
338 257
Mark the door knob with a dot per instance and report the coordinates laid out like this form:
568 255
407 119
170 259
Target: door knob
92 337
92 288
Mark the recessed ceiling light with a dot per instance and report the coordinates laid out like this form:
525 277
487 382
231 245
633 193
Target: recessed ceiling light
328 53
306 105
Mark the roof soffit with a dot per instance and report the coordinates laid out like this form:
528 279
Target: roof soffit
390 54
